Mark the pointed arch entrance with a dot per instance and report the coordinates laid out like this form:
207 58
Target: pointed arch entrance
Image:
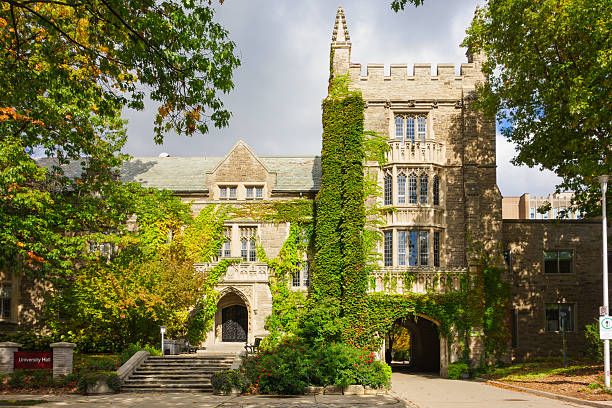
413 344
232 318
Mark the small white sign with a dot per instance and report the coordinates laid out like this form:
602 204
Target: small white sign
603 311
605 328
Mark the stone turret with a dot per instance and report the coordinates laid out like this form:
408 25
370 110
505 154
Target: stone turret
340 53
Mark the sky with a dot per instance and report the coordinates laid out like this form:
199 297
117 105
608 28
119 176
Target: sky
284 49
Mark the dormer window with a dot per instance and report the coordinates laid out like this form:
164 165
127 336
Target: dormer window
254 192
227 192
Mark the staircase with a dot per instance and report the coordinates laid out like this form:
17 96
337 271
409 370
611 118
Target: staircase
182 373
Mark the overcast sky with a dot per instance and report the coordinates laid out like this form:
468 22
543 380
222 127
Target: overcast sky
284 49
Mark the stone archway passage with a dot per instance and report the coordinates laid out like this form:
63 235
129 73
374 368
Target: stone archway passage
234 324
424 345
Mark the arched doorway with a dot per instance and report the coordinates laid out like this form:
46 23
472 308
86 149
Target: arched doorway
413 344
232 320
234 324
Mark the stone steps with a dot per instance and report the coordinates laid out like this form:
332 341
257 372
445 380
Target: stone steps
183 373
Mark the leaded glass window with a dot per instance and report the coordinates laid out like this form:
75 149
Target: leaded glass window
399 127
413 258
412 189
401 248
410 128
401 189
436 248
388 190
388 252
436 190
424 248
423 181
422 127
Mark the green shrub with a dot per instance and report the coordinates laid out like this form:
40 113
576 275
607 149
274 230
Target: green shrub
131 349
111 378
29 341
228 379
96 362
457 370
594 344
294 364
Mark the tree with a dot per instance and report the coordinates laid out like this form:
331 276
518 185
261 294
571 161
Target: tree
67 70
549 65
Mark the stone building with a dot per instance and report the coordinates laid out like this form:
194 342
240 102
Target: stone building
440 181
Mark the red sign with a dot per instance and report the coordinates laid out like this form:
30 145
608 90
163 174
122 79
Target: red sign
33 359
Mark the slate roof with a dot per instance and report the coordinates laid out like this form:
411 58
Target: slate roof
188 174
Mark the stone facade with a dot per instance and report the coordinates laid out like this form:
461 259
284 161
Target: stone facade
440 181
533 286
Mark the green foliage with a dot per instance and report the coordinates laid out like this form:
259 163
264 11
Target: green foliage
67 72
549 65
84 363
132 349
594 344
339 262
110 378
458 370
294 364
226 380
321 322
398 5
29 340
113 302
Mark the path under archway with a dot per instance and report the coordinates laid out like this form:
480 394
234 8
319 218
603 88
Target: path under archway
423 354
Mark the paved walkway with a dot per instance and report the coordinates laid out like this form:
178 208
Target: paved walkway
192 400
428 391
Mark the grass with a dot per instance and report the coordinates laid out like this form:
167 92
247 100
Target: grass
538 369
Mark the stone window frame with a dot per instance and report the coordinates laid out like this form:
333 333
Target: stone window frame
388 189
412 127
572 317
558 272
256 190
248 243
395 254
300 279
225 191
7 313
413 193
225 250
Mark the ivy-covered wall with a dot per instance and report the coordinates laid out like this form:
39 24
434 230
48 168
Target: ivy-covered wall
339 261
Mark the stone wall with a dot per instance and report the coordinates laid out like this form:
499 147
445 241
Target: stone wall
532 289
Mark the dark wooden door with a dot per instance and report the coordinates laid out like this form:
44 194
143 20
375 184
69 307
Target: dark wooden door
235 323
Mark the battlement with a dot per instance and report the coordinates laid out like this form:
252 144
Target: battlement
420 72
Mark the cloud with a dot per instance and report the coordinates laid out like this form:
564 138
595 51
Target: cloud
284 48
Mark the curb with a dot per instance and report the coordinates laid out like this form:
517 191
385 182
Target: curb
548 394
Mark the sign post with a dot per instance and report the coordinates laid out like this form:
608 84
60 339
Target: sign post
162 329
603 180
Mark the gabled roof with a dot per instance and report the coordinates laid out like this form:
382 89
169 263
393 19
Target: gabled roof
188 174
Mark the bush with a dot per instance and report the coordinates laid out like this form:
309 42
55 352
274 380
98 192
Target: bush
29 341
84 363
111 378
594 344
293 365
458 370
228 379
131 349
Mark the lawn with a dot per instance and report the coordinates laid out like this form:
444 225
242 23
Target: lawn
580 379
